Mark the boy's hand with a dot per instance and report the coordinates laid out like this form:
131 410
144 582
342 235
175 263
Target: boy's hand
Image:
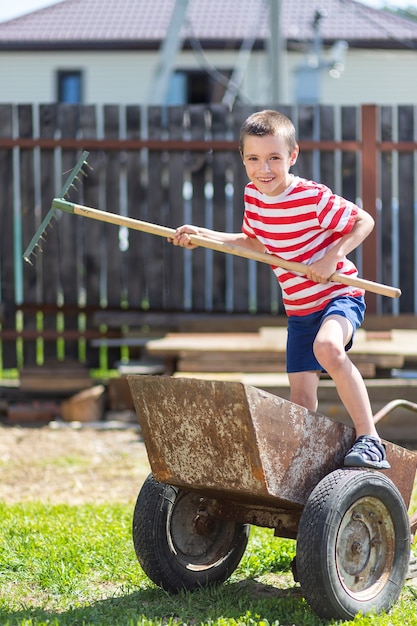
181 237
321 270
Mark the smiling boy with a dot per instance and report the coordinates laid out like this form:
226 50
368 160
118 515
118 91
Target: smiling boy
304 221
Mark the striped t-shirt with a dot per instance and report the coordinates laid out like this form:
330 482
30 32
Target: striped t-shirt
301 224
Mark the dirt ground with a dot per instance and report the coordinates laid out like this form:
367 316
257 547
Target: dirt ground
73 466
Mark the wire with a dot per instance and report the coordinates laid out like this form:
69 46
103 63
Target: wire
232 84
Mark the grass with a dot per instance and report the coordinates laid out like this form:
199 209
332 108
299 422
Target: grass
63 565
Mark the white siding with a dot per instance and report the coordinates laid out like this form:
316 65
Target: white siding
112 77
108 77
370 76
375 76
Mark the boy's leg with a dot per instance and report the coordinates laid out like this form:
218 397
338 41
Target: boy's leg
303 388
329 349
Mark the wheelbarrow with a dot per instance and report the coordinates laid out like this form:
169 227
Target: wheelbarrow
225 455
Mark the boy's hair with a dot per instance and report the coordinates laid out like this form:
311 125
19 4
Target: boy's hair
269 122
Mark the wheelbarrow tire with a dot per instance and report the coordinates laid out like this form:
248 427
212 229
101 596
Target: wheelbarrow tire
173 551
353 544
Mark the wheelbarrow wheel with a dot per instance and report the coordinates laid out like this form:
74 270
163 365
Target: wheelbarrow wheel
178 544
353 544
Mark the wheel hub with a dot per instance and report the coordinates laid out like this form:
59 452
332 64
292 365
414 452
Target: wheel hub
196 537
365 547
204 523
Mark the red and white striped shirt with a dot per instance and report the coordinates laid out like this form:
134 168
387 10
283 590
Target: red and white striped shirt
300 225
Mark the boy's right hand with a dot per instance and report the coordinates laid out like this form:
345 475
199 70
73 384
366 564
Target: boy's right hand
182 236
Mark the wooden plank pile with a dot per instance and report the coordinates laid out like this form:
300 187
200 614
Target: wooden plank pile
375 353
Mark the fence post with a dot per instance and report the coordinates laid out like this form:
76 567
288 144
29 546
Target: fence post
369 195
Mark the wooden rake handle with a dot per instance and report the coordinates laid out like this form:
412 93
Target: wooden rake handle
220 246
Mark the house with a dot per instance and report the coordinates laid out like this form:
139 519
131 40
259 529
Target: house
115 51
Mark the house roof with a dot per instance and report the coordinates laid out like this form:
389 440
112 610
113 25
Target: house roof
141 24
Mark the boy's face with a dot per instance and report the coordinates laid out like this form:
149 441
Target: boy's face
267 162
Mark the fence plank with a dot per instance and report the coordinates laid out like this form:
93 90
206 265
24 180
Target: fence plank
26 199
6 229
199 171
154 263
349 166
244 293
176 263
369 193
406 227
90 274
220 164
136 198
72 245
92 235
386 208
48 264
327 132
305 128
349 163
111 165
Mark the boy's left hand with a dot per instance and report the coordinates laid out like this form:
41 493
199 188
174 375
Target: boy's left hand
321 270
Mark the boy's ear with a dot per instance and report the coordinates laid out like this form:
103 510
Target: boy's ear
294 155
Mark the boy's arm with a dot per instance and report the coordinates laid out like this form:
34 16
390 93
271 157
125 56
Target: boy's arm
181 238
326 266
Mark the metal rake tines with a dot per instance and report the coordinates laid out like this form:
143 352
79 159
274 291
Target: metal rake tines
47 221
39 236
77 169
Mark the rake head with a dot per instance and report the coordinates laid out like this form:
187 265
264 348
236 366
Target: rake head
70 183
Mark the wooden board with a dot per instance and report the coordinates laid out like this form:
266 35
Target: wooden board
265 351
58 379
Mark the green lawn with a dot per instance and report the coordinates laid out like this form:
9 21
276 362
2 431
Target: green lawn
75 565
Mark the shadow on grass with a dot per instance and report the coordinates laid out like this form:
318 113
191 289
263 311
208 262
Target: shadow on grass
246 603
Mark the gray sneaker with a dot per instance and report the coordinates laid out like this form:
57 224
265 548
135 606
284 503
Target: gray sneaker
367 451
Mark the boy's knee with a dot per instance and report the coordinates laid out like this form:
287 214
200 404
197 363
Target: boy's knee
325 350
328 353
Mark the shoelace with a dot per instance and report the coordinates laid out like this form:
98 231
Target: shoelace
370 447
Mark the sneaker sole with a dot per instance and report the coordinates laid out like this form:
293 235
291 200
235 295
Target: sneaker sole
359 462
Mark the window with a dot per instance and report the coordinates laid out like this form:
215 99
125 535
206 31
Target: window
69 86
194 87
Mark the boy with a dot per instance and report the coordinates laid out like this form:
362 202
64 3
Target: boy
300 220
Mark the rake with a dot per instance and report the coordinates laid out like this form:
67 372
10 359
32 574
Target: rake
51 215
61 204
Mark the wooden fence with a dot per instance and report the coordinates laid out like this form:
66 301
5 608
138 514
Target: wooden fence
170 166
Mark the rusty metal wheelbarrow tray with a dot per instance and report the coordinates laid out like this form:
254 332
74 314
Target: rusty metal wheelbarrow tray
235 442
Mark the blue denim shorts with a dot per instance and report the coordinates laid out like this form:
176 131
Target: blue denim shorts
302 331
